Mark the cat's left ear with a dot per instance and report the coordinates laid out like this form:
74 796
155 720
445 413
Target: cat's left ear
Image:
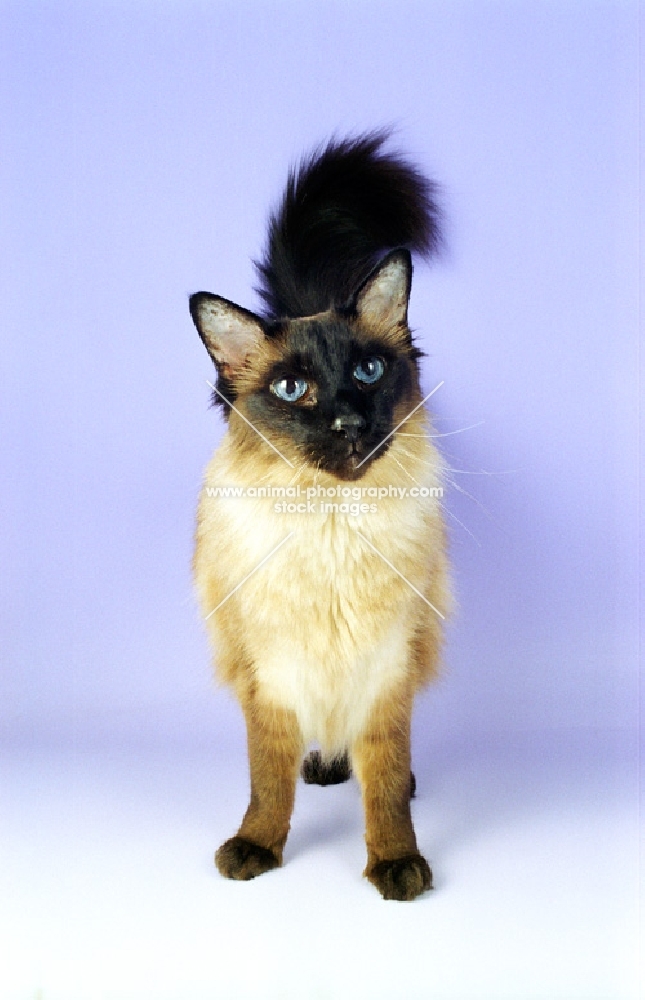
230 333
382 299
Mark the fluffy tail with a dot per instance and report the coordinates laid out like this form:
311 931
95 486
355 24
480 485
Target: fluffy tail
346 205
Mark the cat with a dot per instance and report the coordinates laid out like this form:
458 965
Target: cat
326 613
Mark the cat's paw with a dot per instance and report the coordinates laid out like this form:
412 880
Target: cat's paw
242 859
401 878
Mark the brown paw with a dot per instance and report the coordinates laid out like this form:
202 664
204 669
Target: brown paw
242 859
317 771
401 878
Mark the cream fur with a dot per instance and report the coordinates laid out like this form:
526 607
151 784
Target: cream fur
325 627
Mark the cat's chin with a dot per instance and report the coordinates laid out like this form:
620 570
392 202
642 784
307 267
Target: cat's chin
353 464
352 468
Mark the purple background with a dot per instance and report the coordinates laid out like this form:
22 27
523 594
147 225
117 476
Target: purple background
143 145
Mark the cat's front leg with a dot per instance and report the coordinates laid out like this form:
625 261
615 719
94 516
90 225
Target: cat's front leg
381 760
275 752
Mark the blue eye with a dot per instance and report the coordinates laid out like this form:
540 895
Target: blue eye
369 370
289 389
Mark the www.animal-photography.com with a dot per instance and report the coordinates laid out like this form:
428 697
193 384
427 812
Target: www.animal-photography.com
320 512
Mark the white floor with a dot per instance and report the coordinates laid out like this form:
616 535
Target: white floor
109 890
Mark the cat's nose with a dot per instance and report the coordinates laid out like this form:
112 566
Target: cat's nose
350 423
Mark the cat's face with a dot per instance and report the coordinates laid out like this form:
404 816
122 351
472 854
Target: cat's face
328 389
333 393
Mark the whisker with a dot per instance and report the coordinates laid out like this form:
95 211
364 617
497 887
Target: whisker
475 500
405 470
447 433
450 469
461 523
433 464
446 453
296 474
459 430
415 458
480 472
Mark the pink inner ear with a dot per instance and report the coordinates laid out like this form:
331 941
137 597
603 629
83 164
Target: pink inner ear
384 299
237 339
230 335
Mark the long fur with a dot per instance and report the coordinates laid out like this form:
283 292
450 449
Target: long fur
326 624
346 205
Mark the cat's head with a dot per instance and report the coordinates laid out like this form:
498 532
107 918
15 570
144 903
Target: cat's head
325 390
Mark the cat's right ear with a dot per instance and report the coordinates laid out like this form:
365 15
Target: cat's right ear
230 334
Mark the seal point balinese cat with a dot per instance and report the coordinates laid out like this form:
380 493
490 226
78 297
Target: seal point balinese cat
325 613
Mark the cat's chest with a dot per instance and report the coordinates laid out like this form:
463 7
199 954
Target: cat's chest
318 543
327 616
306 542
331 695
332 572
305 553
329 582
